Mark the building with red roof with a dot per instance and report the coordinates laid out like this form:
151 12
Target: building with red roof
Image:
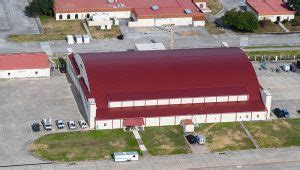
139 12
167 86
274 10
24 65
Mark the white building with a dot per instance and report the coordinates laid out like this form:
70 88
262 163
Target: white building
141 13
274 10
24 65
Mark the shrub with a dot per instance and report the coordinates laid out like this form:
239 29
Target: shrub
240 21
293 22
40 7
284 21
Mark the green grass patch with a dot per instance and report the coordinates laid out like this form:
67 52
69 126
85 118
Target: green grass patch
268 27
97 33
54 30
212 28
87 145
276 133
225 136
274 53
165 140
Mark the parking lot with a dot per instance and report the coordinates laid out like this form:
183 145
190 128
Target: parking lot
284 86
25 101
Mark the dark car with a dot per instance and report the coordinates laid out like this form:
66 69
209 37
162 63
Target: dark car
285 112
278 112
191 138
120 37
35 127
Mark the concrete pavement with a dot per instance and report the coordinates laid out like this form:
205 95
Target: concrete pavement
284 158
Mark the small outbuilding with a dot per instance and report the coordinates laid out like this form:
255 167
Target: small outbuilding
187 125
126 156
24 65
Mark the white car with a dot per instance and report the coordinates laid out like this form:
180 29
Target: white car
71 125
47 123
82 124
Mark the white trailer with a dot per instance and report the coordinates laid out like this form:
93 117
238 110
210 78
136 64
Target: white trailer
70 39
78 39
126 156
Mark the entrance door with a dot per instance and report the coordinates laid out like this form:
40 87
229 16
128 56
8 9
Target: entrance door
278 18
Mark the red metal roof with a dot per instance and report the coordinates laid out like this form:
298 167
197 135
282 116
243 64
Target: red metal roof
133 122
171 73
142 8
23 61
269 7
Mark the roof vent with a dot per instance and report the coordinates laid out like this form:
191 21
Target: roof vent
187 11
155 7
110 1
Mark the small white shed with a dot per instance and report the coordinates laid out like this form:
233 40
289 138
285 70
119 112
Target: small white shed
126 156
78 39
86 39
187 125
70 39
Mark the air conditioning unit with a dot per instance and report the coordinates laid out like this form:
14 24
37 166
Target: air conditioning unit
187 11
155 7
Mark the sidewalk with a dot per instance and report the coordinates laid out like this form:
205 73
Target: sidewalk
140 142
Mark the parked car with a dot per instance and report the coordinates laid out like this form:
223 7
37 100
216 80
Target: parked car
82 124
71 125
285 112
280 113
35 127
191 138
47 123
60 124
293 67
120 37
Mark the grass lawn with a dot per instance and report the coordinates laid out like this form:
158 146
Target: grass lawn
97 33
165 140
54 30
276 133
212 28
225 136
290 27
269 28
79 146
215 6
274 53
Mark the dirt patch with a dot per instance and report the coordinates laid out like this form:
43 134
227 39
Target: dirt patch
275 127
35 147
189 33
286 125
117 143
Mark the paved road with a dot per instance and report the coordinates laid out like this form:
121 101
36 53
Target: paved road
3 17
285 158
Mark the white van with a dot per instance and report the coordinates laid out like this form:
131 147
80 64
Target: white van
126 156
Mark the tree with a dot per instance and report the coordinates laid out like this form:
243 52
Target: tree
294 4
40 7
240 21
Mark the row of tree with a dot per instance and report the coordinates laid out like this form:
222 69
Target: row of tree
40 7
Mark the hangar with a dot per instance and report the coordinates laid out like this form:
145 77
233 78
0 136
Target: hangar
158 88
24 65
140 13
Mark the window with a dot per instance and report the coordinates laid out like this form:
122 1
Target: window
88 15
247 116
60 16
257 116
76 16
68 16
36 73
105 124
8 74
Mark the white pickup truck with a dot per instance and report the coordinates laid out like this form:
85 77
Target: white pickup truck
47 123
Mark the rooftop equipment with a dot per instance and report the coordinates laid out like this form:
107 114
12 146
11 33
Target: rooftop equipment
155 7
187 11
